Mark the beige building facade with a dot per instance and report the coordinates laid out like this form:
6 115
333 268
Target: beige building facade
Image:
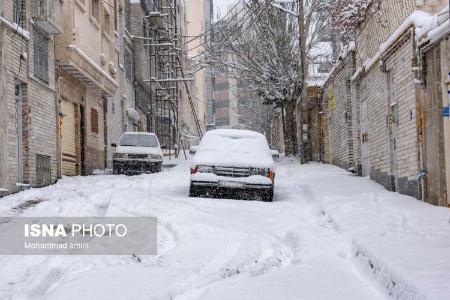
87 67
198 20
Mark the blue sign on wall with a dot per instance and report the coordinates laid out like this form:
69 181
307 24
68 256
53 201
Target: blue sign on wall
446 111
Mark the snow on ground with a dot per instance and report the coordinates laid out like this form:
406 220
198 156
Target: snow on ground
328 235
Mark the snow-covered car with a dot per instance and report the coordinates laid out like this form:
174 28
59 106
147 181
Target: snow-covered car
137 152
229 161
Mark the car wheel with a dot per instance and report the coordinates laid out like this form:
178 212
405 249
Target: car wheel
193 191
268 195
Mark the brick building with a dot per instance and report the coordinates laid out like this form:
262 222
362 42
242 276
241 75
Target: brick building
374 106
28 140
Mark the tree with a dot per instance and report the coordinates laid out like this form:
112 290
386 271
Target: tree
260 43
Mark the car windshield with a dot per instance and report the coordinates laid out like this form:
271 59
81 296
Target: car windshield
139 140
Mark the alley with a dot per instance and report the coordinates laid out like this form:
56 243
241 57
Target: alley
301 245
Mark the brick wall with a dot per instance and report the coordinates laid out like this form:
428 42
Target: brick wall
356 123
340 114
384 160
38 116
382 20
325 123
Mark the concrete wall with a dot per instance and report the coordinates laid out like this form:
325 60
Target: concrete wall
436 128
445 65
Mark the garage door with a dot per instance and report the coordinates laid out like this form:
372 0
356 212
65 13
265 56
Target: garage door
69 164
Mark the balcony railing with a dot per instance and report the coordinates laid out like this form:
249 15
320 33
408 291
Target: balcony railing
47 15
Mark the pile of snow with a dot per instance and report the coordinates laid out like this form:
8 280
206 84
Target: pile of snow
400 242
435 28
234 148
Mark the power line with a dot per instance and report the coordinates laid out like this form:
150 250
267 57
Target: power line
236 30
242 19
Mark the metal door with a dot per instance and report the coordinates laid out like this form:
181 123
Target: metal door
43 170
364 138
68 139
392 124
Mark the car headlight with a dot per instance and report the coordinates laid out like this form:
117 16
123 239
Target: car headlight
259 171
154 156
205 169
120 155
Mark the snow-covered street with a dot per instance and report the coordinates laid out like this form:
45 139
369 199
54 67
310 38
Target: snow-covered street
327 235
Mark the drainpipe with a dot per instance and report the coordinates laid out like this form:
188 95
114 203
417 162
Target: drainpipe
58 112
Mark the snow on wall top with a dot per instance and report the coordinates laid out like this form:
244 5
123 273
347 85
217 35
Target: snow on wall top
234 148
418 19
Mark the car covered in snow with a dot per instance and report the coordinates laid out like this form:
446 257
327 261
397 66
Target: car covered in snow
136 153
229 161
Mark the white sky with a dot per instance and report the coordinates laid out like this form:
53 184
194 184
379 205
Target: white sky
221 6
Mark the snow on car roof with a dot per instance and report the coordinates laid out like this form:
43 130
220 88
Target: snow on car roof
233 147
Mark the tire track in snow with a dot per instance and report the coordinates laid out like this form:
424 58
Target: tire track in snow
193 287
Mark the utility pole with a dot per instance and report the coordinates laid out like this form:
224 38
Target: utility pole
302 71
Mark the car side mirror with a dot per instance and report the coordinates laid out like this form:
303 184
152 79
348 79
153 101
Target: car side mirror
193 150
114 145
163 147
275 155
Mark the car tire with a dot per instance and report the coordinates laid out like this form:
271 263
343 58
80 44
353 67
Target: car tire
193 191
116 171
268 195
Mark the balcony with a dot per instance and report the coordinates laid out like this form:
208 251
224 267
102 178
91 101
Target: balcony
47 15
75 62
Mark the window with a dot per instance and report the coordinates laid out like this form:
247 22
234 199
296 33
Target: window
107 22
94 120
115 15
139 140
18 12
128 63
40 56
94 9
127 14
324 67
